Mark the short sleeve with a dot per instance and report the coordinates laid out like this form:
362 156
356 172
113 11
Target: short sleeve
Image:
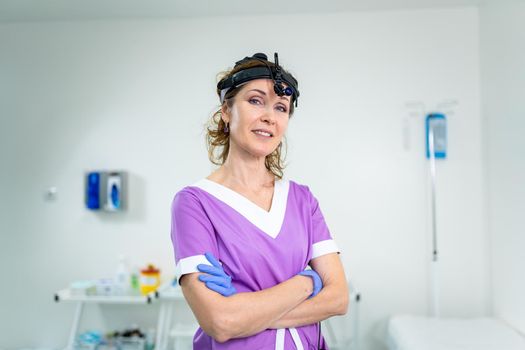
322 241
192 233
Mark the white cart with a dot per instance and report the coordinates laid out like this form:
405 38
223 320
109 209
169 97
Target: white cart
65 295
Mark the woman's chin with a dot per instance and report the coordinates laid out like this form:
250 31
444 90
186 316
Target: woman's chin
261 152
258 150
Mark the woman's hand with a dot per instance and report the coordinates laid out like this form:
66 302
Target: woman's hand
318 283
216 279
332 300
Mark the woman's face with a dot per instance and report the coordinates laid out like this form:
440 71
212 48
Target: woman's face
257 107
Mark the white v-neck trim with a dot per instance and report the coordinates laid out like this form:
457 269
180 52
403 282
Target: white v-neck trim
270 222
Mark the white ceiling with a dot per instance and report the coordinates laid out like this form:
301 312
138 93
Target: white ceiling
49 10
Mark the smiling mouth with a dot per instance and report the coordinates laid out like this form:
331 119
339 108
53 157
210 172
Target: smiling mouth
262 133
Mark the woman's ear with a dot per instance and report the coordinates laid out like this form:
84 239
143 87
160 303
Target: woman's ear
225 111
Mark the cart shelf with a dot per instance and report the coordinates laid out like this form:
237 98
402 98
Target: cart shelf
66 296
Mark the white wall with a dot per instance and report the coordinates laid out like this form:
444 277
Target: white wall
503 86
134 94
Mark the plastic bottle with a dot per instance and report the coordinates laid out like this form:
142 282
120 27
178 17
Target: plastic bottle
149 279
135 281
150 339
122 277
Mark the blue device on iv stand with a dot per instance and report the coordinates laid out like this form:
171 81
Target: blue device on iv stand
436 142
437 123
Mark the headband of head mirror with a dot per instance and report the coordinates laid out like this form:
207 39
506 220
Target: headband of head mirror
274 73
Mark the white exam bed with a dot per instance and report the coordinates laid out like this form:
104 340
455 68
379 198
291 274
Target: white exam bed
424 333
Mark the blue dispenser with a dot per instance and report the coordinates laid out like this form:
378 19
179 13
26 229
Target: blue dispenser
114 192
93 191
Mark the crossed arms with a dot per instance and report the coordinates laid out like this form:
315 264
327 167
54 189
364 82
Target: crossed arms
281 306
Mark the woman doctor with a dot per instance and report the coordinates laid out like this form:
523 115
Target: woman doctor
255 259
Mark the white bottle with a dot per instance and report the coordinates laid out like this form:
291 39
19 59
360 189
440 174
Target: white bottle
122 277
150 339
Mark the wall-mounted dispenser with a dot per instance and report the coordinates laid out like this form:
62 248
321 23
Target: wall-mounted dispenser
106 190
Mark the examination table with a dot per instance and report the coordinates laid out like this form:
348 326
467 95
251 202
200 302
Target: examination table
407 332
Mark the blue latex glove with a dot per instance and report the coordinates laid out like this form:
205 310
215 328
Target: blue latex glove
216 279
318 283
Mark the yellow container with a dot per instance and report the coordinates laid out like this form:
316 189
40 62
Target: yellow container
149 280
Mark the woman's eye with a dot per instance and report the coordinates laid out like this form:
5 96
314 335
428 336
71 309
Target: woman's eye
282 109
254 101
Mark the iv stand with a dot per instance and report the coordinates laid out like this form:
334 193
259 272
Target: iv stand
418 108
434 271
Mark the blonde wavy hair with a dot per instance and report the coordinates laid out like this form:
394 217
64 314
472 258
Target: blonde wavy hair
218 141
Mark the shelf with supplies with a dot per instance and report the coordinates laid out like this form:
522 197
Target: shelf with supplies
66 295
70 296
165 295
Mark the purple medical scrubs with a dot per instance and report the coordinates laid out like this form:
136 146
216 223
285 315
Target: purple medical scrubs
257 248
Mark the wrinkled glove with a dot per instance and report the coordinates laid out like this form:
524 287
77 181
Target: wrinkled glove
216 279
318 283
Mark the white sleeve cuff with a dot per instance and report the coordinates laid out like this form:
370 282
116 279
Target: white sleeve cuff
189 264
324 247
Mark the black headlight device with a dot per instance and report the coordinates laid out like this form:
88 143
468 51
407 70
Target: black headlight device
280 78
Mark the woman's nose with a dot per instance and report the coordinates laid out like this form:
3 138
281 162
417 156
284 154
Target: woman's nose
269 115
